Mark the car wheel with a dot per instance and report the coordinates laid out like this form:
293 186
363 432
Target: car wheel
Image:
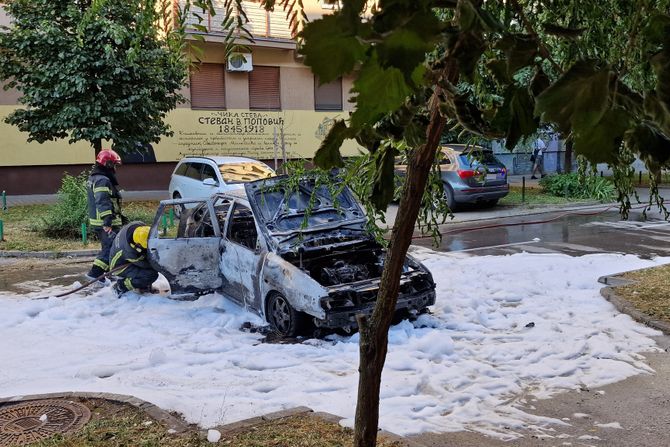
283 318
491 203
177 209
449 197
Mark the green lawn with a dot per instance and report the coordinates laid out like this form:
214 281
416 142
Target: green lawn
21 225
534 197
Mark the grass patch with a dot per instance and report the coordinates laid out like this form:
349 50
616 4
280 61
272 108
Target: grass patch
22 224
298 431
534 197
114 424
649 294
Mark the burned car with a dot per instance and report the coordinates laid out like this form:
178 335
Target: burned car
300 258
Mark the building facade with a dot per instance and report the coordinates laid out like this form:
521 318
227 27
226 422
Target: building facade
263 104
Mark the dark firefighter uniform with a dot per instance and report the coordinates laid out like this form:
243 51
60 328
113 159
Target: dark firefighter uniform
103 211
130 249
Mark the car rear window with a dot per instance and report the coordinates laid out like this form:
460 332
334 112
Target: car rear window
244 172
477 158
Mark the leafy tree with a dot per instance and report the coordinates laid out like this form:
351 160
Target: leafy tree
598 72
93 69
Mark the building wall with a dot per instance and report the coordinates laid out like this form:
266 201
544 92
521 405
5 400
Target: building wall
296 130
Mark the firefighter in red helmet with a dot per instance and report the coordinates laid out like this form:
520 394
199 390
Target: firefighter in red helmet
104 207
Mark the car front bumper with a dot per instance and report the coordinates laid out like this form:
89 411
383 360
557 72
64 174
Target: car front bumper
346 318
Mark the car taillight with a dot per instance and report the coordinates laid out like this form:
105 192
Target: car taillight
466 173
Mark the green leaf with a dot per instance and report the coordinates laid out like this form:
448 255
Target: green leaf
470 117
380 91
657 112
578 99
568 33
648 141
384 181
629 99
657 30
328 155
519 50
467 48
329 49
539 83
405 50
498 69
466 14
661 65
522 123
600 143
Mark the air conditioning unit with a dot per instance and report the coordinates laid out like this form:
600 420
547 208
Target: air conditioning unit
240 62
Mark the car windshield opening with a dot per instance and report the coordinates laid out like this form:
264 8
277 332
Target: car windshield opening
244 172
290 207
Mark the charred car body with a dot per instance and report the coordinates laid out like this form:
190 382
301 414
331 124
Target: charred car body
297 257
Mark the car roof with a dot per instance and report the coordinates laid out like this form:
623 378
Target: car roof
220 160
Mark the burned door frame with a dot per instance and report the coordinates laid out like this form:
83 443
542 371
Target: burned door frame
240 265
188 263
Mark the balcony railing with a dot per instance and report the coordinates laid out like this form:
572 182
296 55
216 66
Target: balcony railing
262 23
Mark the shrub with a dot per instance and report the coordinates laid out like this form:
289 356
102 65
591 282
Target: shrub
580 187
64 219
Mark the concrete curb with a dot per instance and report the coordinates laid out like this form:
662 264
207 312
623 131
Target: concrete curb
48 254
162 416
236 427
624 306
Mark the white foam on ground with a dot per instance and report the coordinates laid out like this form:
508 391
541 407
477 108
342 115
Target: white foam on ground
470 365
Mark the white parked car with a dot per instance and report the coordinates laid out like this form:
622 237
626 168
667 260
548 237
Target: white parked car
200 177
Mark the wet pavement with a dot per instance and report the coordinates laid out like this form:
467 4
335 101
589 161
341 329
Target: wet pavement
558 233
31 276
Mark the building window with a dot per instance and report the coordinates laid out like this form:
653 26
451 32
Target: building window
264 88
207 87
328 96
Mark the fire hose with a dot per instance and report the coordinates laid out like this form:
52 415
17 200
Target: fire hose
93 281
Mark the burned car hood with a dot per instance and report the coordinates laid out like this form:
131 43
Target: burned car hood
305 216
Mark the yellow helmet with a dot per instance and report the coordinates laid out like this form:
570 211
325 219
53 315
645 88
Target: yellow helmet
141 236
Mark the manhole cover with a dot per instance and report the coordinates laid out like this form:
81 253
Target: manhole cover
40 419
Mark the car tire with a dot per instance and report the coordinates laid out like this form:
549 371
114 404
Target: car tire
449 197
177 209
491 203
283 318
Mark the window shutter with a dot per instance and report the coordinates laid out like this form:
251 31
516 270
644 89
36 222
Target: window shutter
328 96
207 87
264 88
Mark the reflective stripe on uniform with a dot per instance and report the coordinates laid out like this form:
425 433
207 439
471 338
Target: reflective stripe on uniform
105 213
115 259
102 189
128 283
103 265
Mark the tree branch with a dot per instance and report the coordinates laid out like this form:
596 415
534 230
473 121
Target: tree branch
544 50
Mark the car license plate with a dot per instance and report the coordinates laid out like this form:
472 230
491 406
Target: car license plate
491 177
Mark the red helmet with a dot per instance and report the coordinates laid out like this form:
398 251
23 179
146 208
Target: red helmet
108 158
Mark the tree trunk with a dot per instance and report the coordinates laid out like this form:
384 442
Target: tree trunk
374 333
568 156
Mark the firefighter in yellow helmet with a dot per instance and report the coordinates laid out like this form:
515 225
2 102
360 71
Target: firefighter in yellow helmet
130 249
